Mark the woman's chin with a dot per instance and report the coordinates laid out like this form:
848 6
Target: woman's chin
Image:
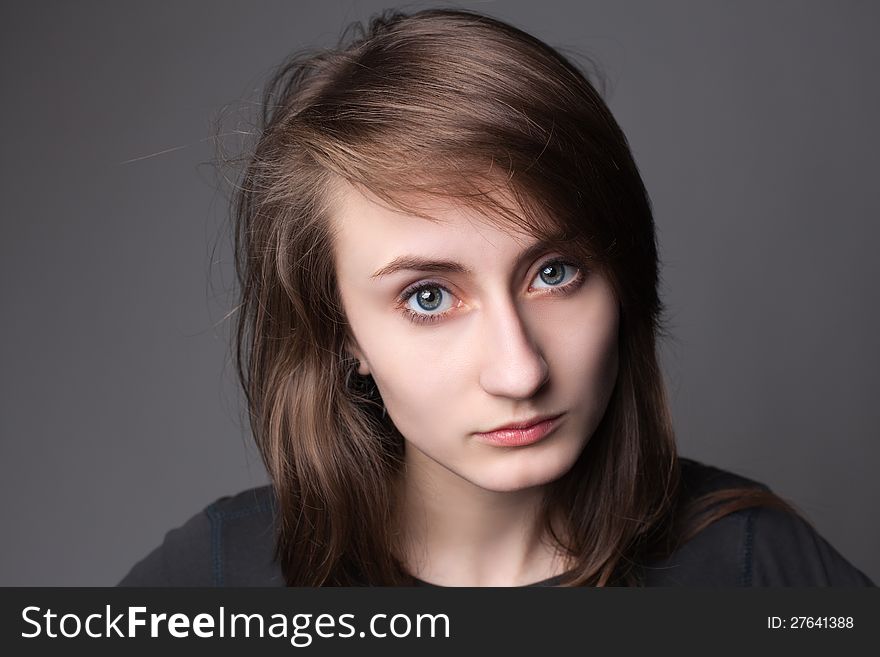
510 480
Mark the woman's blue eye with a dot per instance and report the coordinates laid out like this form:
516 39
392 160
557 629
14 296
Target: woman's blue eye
554 274
429 299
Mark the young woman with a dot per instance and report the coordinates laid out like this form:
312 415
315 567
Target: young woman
447 340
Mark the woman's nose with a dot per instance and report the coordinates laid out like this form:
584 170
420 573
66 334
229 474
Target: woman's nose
512 363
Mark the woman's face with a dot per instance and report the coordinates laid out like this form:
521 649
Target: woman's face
495 332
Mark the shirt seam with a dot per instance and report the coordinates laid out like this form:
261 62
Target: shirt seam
747 575
216 519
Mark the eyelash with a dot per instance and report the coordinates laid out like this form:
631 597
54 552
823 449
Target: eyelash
419 318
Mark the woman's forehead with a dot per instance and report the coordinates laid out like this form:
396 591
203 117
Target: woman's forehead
363 222
359 211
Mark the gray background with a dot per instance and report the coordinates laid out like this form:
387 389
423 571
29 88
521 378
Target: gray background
755 127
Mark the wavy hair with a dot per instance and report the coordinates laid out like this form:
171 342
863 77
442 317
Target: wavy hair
460 106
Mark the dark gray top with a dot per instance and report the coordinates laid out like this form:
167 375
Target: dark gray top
231 543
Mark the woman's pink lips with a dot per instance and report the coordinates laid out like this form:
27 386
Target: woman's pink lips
519 437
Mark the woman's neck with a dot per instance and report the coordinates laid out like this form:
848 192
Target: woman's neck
458 534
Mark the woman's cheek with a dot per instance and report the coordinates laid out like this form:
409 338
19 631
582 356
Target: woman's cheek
416 393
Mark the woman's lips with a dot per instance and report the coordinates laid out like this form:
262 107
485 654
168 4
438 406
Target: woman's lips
519 437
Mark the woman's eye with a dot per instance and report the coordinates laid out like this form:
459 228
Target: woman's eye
557 274
427 302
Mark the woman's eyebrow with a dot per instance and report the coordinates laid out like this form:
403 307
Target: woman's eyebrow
418 263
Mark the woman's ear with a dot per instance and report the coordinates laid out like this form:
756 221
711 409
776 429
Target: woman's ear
363 368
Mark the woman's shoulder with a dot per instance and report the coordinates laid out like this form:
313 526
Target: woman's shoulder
231 542
757 546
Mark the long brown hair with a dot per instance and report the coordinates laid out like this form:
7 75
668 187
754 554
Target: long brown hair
460 106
